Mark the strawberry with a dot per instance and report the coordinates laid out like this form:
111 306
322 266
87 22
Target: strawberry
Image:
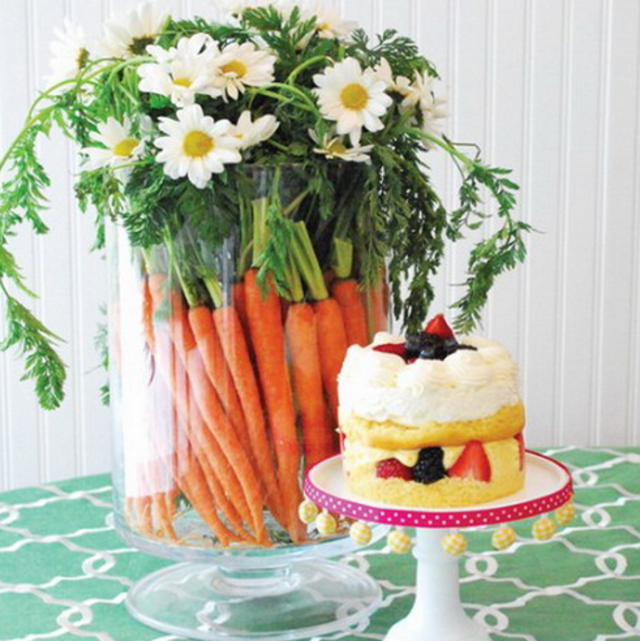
520 439
439 326
391 468
472 463
392 348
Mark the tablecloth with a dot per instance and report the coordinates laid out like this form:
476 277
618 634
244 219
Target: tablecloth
64 573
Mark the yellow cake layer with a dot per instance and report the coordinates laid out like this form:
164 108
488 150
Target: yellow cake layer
507 422
506 478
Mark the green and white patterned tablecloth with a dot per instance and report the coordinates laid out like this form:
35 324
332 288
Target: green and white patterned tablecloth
64 573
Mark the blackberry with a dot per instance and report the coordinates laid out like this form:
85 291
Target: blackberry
429 467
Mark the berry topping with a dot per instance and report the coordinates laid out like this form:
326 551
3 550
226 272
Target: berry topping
431 346
392 348
520 439
391 468
429 467
472 463
438 325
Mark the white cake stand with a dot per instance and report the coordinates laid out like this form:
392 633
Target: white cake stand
437 614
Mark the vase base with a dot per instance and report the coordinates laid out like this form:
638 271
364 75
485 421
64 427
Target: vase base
295 601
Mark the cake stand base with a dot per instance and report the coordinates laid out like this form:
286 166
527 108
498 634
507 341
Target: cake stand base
299 600
437 613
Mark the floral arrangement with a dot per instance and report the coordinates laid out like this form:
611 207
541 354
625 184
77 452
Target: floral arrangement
190 132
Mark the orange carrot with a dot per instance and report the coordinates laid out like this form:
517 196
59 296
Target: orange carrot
377 300
162 514
208 343
229 328
147 315
354 314
205 396
302 340
267 335
172 369
332 344
144 514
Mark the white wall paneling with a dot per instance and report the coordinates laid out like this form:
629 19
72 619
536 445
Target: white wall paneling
548 87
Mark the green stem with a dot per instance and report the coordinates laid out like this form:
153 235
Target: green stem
307 262
300 68
342 259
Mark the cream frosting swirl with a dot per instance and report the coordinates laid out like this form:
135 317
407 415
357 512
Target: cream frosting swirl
468 384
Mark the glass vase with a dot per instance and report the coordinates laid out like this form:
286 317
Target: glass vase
225 340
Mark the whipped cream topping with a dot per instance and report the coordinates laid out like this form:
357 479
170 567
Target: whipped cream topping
464 386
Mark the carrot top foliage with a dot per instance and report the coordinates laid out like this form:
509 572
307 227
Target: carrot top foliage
171 122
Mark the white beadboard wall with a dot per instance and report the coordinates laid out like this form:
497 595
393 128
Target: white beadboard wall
548 87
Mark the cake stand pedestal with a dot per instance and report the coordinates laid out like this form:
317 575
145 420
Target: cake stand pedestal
437 614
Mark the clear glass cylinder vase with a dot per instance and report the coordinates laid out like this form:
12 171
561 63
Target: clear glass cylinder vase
226 335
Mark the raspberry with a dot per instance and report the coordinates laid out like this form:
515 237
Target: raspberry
391 468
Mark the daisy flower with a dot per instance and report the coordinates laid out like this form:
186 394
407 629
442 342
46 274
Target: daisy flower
132 35
70 53
119 146
432 108
352 98
329 22
182 72
251 133
399 84
334 147
239 66
196 146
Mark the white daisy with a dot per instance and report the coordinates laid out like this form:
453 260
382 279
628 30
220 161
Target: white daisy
196 146
329 22
352 98
239 66
251 133
182 72
130 36
399 84
70 53
119 146
334 147
432 108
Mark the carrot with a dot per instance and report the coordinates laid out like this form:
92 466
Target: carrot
267 335
302 340
144 514
228 325
332 346
354 314
377 299
162 514
220 428
173 371
147 315
204 331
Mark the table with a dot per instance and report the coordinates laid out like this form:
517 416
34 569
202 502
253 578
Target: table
64 573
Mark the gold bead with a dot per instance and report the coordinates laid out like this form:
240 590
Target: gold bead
503 537
326 524
360 533
565 514
454 544
307 512
399 542
544 529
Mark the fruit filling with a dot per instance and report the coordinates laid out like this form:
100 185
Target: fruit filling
472 463
436 342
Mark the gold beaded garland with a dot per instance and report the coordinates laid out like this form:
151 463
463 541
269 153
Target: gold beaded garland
503 537
565 514
307 512
454 544
399 541
544 529
326 524
360 533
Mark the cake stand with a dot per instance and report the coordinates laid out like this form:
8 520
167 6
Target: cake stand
437 614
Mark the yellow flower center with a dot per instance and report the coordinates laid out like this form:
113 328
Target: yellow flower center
354 96
337 148
197 144
323 27
182 82
235 66
125 147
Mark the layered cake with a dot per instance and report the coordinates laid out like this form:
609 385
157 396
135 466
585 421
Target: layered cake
431 421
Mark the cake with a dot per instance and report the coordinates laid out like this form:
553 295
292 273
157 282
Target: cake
430 421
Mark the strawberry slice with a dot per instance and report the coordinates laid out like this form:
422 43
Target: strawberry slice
391 468
438 325
520 439
472 463
392 348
